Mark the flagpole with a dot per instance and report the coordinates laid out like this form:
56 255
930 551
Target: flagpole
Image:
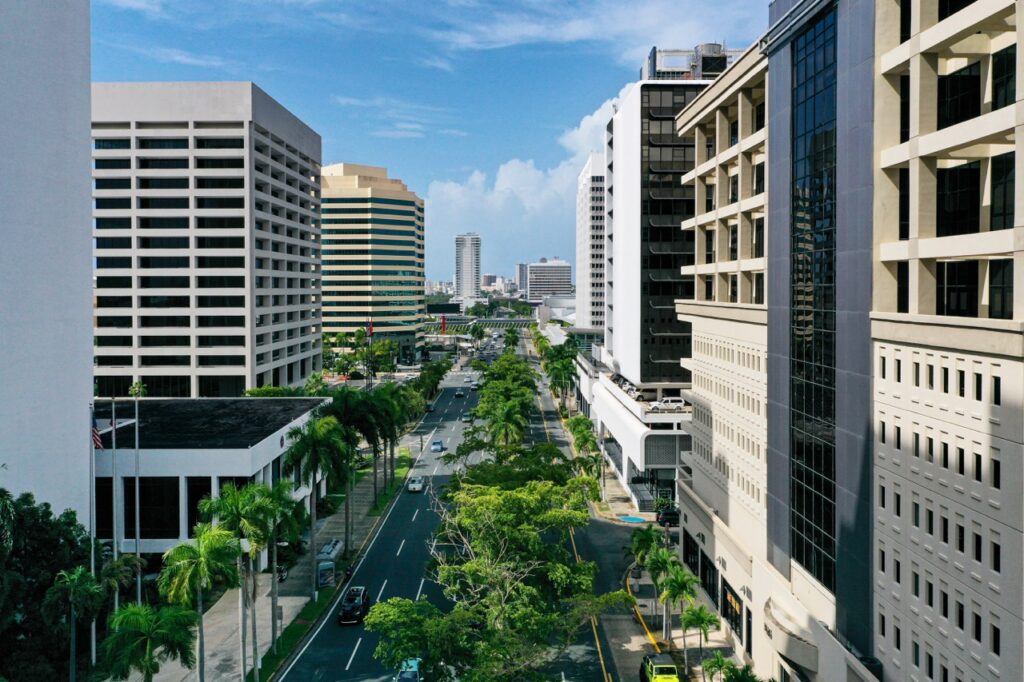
138 531
92 522
113 489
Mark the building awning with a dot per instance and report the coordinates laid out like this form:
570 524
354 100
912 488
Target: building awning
789 638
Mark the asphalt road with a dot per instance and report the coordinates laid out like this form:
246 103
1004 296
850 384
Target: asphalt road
394 563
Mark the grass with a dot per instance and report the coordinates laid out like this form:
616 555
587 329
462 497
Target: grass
403 462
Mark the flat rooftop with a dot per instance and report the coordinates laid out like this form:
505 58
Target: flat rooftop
202 423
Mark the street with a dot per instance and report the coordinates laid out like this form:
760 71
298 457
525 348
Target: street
395 560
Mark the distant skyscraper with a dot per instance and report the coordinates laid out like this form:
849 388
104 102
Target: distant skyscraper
548 278
45 262
206 226
467 265
590 243
373 255
520 277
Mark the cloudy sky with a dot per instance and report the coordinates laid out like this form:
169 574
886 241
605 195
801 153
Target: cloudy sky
486 109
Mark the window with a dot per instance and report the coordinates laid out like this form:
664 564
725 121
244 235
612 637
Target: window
976 630
759 288
977 547
163 202
997 390
113 203
960 538
903 289
897 571
112 164
220 202
917 374
113 183
163 183
929 521
897 505
995 556
977 467
904 105
899 438
977 386
219 143
958 200
915 653
163 143
881 496
915 514
948 8
995 636
759 178
881 625
758 237
1000 289
929 593
944 603
162 163
945 455
709 246
945 380
734 189
995 468
945 530
961 382
881 552
881 367
1002 193
733 290
957 288
915 584
899 371
881 432
1004 77
112 143
734 242
896 637
959 95
960 615
960 461
931 377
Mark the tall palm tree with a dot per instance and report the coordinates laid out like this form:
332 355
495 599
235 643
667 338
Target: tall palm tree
718 664
314 450
680 588
142 637
283 517
117 572
700 618
642 541
194 566
243 512
354 408
659 563
507 425
78 592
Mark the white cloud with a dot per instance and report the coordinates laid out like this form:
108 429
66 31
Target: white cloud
436 62
146 6
171 55
453 132
396 133
523 213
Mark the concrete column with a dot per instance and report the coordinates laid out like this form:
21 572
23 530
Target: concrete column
745 108
922 287
985 168
1018 285
924 15
924 76
700 140
983 302
721 129
1018 180
922 197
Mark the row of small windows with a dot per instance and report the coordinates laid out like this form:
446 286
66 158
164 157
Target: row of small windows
941 455
371 252
170 361
120 262
171 301
175 341
370 231
371 210
720 464
368 221
954 611
169 163
171 223
948 379
171 282
368 200
332 272
372 242
169 143
375 302
151 321
170 242
170 183
927 665
112 203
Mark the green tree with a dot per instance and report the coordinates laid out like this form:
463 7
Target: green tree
680 589
507 425
744 674
283 517
314 450
193 567
315 384
117 574
477 332
511 339
143 637
702 619
642 541
659 563
718 665
78 592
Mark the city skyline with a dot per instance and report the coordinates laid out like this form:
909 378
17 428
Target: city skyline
405 105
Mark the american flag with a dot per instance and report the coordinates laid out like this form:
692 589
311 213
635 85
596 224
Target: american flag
97 440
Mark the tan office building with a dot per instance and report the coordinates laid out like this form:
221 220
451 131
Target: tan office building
372 256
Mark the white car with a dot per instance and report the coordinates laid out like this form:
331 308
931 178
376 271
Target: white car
415 484
669 403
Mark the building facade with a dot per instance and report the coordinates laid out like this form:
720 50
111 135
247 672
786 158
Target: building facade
705 61
590 243
206 226
548 278
45 262
372 256
520 276
946 343
467 265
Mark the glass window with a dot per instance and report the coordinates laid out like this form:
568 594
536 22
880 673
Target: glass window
163 143
957 288
905 103
1004 77
903 288
959 95
1001 211
958 200
904 207
948 8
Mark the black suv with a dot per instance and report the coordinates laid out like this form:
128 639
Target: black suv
354 606
668 517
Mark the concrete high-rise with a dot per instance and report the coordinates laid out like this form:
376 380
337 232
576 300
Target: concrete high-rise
590 243
372 255
521 275
45 262
206 225
548 278
467 265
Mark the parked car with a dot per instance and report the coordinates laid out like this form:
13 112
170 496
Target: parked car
669 403
437 446
354 606
668 517
415 484
659 668
409 670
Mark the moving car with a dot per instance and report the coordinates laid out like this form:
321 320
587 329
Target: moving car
668 517
466 417
475 386
415 484
467 379
460 393
354 606
409 670
437 446
659 668
430 407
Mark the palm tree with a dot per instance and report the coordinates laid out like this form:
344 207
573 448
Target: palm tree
137 390
700 618
194 566
142 637
477 331
243 512
80 593
562 374
392 417
283 517
659 563
354 409
680 588
744 674
718 664
314 449
507 424
118 572
642 541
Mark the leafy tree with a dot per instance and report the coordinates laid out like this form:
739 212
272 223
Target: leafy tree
718 664
272 392
143 637
283 518
680 588
700 618
79 593
507 425
117 574
744 674
642 541
313 450
659 563
315 384
194 567
511 339
477 332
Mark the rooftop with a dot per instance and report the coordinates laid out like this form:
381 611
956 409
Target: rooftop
203 423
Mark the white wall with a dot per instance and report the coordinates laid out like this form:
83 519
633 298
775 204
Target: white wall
45 262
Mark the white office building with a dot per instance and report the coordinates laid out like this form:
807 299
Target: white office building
206 221
548 278
45 264
590 243
467 265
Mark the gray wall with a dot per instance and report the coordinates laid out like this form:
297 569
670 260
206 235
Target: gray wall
46 257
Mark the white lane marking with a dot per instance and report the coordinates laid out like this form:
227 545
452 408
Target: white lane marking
354 650
420 589
382 586
435 468
433 545
400 546
416 514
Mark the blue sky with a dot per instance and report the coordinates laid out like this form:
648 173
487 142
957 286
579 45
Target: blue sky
486 109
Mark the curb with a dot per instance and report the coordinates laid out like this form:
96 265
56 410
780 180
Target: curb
636 611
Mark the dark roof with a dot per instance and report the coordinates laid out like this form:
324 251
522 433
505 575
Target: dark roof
203 423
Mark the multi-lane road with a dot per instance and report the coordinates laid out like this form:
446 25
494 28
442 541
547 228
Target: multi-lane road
394 563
